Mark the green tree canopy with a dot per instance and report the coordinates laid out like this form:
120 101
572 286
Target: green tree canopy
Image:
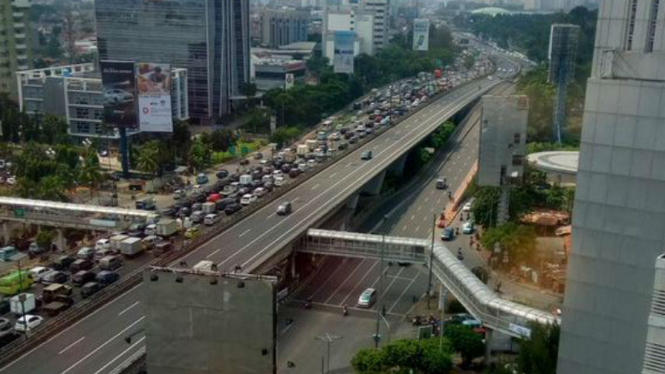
468 343
517 241
405 356
538 354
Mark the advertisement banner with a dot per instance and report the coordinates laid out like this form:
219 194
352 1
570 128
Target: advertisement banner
154 93
288 81
343 56
420 34
119 88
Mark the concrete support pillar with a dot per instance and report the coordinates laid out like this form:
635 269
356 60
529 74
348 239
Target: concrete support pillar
488 344
293 266
442 298
5 232
397 167
60 240
373 187
352 203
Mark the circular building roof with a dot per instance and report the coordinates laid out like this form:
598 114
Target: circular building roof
492 11
564 162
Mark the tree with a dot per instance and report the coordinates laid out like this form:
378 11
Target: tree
200 154
368 361
426 356
90 173
181 141
44 238
468 343
284 135
221 140
147 160
538 354
518 242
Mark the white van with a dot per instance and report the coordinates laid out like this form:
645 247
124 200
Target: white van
205 265
211 219
279 180
103 244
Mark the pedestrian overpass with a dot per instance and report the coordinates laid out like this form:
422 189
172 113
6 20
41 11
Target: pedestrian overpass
66 215
495 313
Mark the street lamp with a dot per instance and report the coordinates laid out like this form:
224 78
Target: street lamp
21 296
329 339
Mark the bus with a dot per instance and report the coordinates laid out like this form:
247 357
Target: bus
15 282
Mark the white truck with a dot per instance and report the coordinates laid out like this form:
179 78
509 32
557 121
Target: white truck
19 308
311 144
166 227
131 247
208 207
302 150
116 240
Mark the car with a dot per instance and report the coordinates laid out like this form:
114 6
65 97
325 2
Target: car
258 155
221 174
35 249
467 206
232 208
260 192
82 277
367 298
86 253
90 289
62 262
150 230
441 183
28 322
192 232
367 155
106 277
103 244
103 253
55 276
168 212
81 264
248 199
448 234
353 140
469 227
5 327
38 272
202 179
179 194
211 219
284 208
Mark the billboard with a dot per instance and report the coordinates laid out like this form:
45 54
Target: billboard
119 88
343 56
420 34
562 52
288 80
154 97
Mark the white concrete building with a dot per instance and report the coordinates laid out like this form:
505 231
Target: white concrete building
619 211
655 345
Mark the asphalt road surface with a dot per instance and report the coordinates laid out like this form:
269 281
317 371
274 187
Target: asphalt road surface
96 344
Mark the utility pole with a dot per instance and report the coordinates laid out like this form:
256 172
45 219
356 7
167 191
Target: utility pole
329 339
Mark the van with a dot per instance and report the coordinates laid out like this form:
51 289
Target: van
110 263
211 219
103 253
103 244
150 241
205 265
80 264
6 253
83 277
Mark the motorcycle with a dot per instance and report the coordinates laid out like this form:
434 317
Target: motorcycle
308 304
345 311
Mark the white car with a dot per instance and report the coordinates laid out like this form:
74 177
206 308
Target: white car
103 244
277 173
279 180
260 192
468 227
467 207
85 253
150 230
367 298
248 199
211 219
38 272
28 322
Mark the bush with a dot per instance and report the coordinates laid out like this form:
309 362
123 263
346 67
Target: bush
403 356
468 343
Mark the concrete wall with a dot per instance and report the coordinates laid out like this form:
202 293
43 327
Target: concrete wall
195 327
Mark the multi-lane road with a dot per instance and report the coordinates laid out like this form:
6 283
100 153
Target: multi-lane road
96 344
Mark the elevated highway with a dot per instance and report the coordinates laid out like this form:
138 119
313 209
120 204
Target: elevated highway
96 345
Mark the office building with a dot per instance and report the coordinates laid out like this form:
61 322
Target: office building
15 42
380 11
210 38
283 26
619 211
655 344
276 73
75 93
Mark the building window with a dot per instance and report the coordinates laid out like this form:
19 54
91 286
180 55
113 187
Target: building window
517 160
83 128
651 35
632 12
82 112
518 137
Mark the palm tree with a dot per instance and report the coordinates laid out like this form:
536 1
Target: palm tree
147 160
90 173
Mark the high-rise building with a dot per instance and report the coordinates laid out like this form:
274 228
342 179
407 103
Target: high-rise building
655 344
379 9
283 26
620 199
209 38
15 42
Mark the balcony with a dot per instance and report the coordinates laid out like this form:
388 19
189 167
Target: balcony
17 14
21 46
19 25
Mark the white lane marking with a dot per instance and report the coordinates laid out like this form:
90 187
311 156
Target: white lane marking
345 280
121 354
244 233
65 330
128 308
297 198
77 363
383 294
333 175
315 187
419 207
417 228
413 216
404 292
71 345
426 199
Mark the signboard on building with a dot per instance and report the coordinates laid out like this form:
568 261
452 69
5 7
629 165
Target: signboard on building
288 80
420 34
154 97
119 93
343 52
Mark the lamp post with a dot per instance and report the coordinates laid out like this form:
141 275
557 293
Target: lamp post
329 339
21 296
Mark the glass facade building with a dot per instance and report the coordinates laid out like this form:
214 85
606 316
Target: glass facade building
210 38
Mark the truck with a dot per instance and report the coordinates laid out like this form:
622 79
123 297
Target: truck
15 282
131 247
245 179
19 308
168 227
52 290
205 265
302 150
208 207
116 240
290 156
311 144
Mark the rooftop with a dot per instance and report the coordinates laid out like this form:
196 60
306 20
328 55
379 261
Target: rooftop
557 161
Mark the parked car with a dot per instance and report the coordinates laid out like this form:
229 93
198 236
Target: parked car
103 244
110 262
260 192
81 264
222 173
202 179
468 227
28 322
103 253
467 206
63 262
35 249
367 298
448 234
248 199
